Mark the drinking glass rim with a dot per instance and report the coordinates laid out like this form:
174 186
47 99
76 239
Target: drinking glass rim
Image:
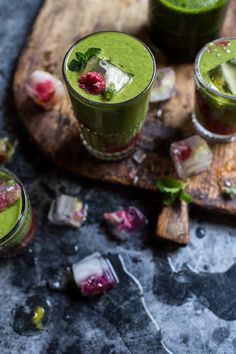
106 104
199 76
23 208
188 11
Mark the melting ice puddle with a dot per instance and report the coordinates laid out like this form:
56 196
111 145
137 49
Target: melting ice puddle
31 318
117 305
140 292
213 290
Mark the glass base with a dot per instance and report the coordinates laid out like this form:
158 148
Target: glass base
107 156
206 134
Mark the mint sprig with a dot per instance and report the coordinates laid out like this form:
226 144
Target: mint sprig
110 92
172 190
11 182
82 59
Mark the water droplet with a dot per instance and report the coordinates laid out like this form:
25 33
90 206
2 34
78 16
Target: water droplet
31 318
228 183
67 317
135 180
198 312
69 249
29 257
159 113
200 232
55 284
60 280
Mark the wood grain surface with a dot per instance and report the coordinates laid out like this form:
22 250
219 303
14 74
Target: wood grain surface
173 223
57 27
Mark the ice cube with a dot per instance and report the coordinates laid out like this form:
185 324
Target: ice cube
67 210
139 156
229 73
115 78
223 77
164 85
93 65
190 156
94 275
44 89
7 149
123 222
114 75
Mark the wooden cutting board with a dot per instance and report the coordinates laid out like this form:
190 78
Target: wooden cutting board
58 25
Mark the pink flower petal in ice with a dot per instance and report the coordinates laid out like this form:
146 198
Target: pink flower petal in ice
44 88
122 222
96 285
9 194
92 82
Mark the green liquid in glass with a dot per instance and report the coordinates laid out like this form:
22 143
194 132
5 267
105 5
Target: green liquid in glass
123 51
181 27
215 103
10 216
109 129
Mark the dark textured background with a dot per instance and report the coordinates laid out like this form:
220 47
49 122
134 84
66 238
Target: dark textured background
191 291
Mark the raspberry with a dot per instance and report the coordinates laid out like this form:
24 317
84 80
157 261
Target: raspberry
92 82
44 91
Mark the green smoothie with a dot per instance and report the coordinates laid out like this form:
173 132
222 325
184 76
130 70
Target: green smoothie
215 82
181 27
16 222
10 216
110 127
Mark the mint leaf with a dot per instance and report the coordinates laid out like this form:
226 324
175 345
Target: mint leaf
92 52
170 198
82 59
110 92
169 185
185 197
172 190
74 65
11 182
80 56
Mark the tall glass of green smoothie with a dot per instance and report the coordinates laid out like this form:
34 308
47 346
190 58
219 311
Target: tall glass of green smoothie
109 76
17 224
181 27
215 91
